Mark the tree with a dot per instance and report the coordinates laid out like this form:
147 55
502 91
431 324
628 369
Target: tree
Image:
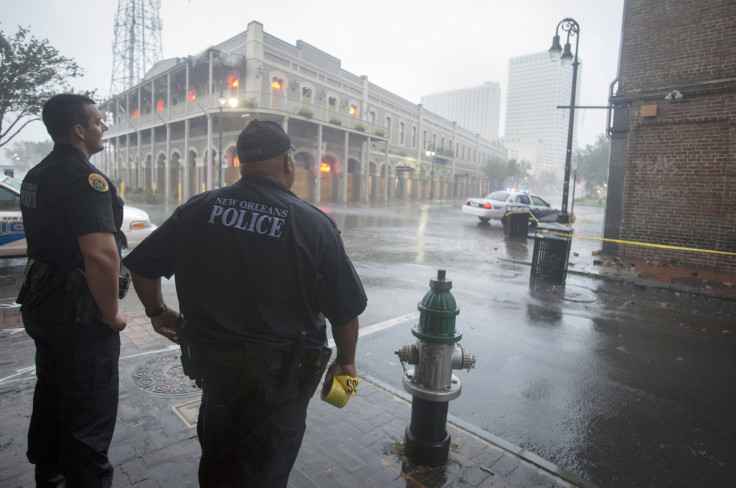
31 72
25 154
496 171
504 173
518 171
593 164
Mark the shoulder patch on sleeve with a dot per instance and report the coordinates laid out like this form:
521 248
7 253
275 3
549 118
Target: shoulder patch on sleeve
98 182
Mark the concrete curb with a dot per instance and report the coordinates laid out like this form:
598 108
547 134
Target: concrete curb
490 438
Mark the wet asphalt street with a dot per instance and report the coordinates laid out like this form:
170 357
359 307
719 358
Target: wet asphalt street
623 385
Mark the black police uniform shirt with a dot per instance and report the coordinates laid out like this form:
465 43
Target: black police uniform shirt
253 262
64 197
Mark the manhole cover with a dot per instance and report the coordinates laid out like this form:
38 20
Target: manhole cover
164 375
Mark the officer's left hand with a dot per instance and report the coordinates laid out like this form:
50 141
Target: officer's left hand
119 322
165 324
339 369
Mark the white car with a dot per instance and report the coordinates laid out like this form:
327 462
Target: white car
495 205
136 222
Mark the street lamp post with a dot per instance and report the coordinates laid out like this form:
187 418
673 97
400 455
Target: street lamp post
430 156
232 102
566 58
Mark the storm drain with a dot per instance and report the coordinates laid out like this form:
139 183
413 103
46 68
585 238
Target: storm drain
163 375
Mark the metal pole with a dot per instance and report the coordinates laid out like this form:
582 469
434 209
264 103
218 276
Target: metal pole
431 180
219 152
564 216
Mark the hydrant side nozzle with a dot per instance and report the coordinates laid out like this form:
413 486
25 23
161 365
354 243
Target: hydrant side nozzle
461 359
408 354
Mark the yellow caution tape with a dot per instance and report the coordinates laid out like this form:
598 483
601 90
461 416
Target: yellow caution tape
644 244
338 391
632 243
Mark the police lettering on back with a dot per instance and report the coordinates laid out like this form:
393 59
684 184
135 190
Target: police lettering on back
248 216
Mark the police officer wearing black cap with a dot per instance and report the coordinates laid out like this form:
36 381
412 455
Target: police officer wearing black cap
257 272
69 300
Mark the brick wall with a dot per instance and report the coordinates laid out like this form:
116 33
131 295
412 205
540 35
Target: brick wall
680 184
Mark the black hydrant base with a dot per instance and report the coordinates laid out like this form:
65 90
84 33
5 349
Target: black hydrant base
432 454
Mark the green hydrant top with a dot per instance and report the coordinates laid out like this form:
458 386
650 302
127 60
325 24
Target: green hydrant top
437 312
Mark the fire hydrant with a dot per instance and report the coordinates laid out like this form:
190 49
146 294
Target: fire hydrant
432 384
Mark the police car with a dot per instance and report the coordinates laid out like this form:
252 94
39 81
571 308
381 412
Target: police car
496 204
136 222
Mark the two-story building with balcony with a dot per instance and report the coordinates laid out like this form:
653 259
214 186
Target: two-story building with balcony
175 132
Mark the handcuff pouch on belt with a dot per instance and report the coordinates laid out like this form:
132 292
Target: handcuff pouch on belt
314 364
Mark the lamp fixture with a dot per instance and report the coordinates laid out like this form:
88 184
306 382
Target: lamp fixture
673 95
567 57
556 50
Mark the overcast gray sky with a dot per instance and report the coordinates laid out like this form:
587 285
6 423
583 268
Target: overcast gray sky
409 47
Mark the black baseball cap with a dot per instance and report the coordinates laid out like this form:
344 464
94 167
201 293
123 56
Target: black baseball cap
262 140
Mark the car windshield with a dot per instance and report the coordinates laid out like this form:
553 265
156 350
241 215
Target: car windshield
12 182
499 196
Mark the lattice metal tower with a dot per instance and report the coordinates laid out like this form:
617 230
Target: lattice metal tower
137 44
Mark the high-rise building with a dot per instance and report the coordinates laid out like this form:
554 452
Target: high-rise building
536 87
476 109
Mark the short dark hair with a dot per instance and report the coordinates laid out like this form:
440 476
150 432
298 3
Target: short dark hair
62 112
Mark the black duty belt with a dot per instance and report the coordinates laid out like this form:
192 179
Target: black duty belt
255 358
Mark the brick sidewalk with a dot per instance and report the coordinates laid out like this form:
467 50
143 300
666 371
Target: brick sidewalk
155 441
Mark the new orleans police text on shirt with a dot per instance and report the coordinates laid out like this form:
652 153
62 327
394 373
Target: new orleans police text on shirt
248 216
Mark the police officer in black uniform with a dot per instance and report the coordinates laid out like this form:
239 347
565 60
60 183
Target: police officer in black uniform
72 216
257 271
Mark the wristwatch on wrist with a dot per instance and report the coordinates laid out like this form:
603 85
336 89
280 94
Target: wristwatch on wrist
159 311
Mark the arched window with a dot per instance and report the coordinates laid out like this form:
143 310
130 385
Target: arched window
278 98
306 94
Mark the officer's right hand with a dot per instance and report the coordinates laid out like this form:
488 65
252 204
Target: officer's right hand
119 322
165 324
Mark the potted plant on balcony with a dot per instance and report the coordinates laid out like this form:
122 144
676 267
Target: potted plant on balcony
306 112
380 132
360 126
335 120
249 102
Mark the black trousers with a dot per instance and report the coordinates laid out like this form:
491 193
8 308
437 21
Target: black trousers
75 402
246 440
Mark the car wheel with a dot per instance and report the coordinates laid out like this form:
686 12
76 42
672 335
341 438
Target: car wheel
503 220
484 219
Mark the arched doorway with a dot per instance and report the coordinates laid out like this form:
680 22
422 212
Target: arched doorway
328 178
